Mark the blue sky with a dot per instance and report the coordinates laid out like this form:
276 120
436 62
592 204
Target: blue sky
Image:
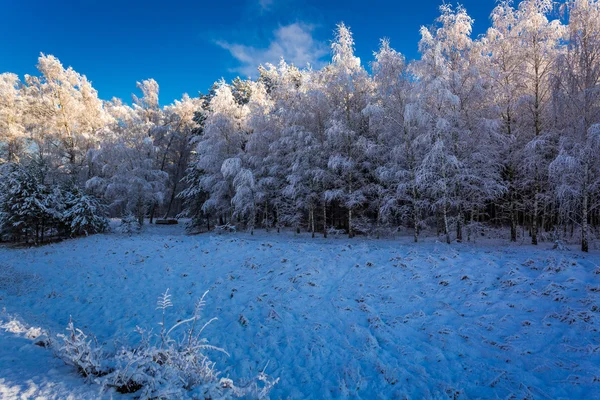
187 45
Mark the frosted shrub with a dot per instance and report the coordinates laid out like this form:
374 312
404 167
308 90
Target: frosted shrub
129 224
227 228
162 365
79 351
332 231
560 245
169 364
383 231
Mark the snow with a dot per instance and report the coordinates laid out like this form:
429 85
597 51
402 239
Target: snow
333 318
29 371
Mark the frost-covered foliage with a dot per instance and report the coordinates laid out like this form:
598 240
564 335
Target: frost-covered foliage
83 353
225 228
172 363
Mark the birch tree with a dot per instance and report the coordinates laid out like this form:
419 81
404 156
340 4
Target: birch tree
12 129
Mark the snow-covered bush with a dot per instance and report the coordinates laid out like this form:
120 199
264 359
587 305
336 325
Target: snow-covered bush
383 231
227 228
82 353
333 231
129 224
169 364
560 245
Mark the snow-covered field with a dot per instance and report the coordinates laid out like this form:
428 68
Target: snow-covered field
333 318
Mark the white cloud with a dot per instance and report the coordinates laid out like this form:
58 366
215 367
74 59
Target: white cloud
293 42
265 5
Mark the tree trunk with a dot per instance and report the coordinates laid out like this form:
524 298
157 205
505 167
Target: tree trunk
459 232
152 211
312 220
140 212
513 221
416 222
534 230
543 219
445 216
266 217
538 130
350 233
584 217
513 206
470 226
415 214
324 219
171 200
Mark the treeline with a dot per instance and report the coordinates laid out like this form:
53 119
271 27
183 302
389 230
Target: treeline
500 130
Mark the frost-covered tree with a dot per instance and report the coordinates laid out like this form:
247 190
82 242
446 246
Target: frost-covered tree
348 88
262 153
147 105
285 142
318 176
218 152
442 53
395 112
503 67
128 176
28 208
459 171
67 111
83 214
538 44
12 129
173 142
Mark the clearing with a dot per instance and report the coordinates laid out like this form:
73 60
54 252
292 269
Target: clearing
358 318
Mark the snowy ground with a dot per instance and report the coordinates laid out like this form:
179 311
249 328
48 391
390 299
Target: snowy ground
356 318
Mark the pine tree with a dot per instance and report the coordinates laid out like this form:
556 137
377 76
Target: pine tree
84 214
